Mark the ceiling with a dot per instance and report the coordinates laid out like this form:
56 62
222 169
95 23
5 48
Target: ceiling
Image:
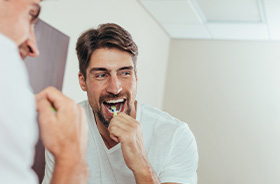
217 19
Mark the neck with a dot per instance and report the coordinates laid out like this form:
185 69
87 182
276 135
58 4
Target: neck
104 132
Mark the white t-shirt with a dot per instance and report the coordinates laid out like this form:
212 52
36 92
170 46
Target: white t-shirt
169 143
18 127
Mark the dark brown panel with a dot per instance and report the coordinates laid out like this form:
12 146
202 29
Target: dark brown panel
46 70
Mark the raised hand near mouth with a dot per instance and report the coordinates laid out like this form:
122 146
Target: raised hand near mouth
64 134
126 130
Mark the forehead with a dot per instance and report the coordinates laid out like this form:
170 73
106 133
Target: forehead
35 3
28 2
110 58
25 4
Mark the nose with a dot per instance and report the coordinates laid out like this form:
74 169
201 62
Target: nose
114 85
31 43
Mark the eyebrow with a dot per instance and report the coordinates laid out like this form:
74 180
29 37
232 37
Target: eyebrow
105 69
126 68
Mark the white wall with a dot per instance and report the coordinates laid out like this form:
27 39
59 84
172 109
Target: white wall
72 17
227 91
229 94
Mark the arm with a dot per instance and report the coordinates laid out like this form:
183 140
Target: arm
128 132
179 167
146 175
70 172
64 134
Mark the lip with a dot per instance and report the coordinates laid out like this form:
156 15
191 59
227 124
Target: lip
112 114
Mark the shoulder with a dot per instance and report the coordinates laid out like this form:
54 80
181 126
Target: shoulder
162 122
171 137
157 115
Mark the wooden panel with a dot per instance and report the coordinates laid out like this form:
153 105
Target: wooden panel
46 70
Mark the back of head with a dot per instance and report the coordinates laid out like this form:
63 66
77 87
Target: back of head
108 35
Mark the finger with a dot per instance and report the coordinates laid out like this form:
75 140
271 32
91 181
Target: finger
54 96
45 116
83 120
122 122
118 134
117 125
116 139
125 119
44 108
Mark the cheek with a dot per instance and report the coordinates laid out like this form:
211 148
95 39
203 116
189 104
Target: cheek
131 87
23 28
94 90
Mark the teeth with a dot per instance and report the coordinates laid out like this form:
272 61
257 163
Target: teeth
115 101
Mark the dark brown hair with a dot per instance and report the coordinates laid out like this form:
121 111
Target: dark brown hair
108 35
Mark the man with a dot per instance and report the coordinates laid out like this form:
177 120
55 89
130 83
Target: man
64 132
129 142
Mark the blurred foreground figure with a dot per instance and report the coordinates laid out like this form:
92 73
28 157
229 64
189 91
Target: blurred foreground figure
64 132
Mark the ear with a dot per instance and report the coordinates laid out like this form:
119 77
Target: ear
82 82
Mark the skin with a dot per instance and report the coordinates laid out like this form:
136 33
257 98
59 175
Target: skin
18 18
105 80
28 48
63 133
111 71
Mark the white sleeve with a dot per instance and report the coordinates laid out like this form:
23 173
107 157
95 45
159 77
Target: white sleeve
18 127
49 167
182 161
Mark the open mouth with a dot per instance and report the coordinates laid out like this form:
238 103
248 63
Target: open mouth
114 106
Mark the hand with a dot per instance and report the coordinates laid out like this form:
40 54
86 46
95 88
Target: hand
64 132
128 132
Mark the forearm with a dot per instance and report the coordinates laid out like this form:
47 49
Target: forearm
146 175
70 173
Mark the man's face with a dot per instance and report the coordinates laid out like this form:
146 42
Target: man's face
17 22
111 81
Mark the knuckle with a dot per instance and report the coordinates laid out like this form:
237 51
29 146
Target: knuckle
50 88
111 128
136 125
71 105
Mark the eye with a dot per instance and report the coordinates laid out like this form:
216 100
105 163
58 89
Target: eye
102 75
125 73
34 16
